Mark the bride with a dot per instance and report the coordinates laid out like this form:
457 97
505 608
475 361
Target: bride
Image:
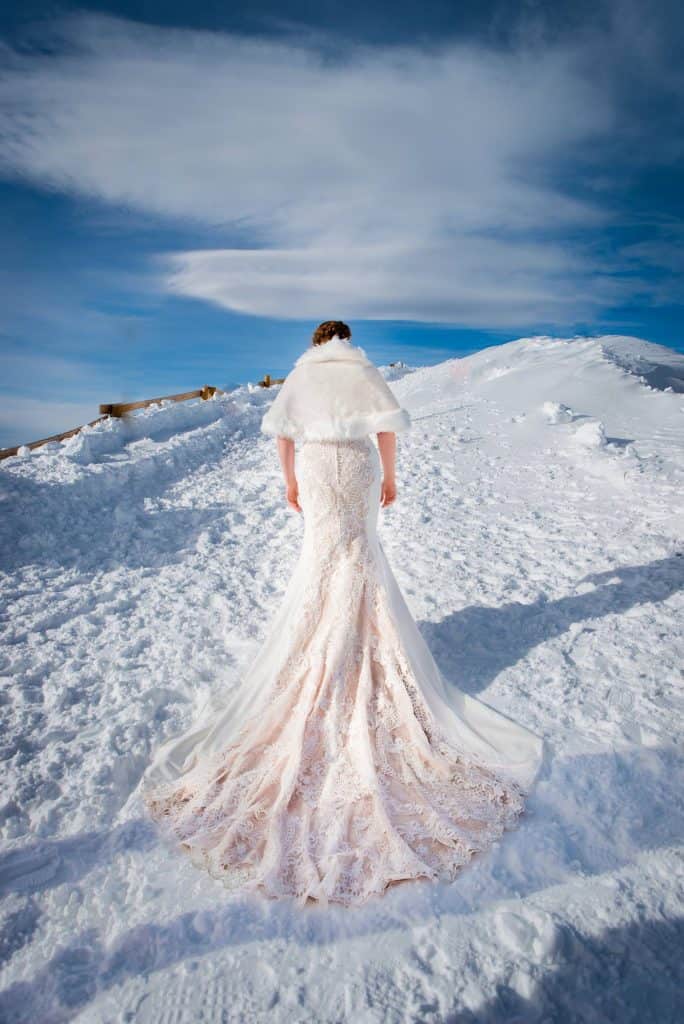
344 762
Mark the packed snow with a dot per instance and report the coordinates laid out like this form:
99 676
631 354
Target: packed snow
537 537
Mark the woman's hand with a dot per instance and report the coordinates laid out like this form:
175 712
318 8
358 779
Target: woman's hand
292 493
388 491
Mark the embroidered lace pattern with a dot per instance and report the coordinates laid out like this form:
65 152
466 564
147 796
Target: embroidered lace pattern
345 783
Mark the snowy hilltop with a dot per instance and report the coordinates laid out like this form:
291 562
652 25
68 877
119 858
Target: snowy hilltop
538 538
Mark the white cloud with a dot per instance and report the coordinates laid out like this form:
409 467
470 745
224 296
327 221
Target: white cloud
501 282
397 182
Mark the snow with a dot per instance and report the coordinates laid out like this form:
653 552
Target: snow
537 536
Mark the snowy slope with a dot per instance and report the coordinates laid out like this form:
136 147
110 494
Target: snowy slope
537 537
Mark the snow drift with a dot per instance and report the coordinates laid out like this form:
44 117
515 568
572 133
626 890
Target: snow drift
537 536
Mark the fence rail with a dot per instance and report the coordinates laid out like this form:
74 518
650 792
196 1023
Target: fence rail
6 452
121 409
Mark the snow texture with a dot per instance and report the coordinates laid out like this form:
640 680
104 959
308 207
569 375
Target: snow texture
537 536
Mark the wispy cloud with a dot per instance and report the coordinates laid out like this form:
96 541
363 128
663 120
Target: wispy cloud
478 280
453 184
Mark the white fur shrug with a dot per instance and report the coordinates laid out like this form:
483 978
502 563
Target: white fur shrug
334 392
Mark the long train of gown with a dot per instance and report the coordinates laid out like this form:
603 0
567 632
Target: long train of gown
342 763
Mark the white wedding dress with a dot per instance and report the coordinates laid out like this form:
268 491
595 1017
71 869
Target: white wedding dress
344 762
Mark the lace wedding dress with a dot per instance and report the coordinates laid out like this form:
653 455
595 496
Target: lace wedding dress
343 763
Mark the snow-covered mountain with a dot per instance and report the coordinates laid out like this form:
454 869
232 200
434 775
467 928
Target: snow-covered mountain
537 536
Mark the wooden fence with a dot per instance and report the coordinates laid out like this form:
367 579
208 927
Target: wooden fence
121 409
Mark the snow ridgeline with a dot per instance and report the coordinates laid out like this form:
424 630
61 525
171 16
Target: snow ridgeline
657 368
538 538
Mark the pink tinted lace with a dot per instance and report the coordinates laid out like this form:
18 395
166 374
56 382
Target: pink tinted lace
346 783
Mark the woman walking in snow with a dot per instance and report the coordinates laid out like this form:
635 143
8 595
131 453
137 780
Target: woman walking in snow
343 763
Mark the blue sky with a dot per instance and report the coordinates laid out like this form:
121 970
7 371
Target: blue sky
187 190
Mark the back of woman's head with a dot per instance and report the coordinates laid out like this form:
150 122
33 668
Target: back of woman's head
328 329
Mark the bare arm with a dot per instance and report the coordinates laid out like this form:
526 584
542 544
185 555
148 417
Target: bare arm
286 452
387 446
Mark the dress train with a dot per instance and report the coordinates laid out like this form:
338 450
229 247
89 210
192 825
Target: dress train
343 762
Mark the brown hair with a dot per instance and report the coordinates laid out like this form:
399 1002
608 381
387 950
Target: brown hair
325 331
